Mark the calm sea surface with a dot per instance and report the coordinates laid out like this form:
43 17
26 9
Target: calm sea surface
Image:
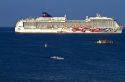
24 57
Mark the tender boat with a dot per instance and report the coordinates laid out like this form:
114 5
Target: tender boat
104 41
57 57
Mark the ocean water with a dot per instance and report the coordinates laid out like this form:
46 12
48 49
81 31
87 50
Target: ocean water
24 57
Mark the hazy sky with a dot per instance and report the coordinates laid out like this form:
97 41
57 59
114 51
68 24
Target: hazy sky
13 10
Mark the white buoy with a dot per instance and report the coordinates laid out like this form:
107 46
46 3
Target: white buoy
45 45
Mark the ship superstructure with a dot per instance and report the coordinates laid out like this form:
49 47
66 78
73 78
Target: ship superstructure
49 24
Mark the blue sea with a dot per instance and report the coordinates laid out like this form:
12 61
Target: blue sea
25 58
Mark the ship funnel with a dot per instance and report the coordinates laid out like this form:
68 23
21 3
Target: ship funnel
45 14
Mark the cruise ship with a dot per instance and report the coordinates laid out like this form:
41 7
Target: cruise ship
48 24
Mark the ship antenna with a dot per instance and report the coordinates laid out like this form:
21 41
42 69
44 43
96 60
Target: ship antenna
65 15
98 15
87 17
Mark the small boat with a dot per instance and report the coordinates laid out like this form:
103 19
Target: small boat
104 41
57 57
